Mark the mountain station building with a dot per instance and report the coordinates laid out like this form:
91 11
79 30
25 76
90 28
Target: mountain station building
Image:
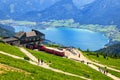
25 38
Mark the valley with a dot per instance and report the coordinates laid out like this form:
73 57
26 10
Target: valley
110 31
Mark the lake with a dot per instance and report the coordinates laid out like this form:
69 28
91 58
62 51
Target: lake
79 38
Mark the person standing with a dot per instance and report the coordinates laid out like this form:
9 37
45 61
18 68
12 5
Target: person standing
38 61
41 61
106 71
79 55
99 68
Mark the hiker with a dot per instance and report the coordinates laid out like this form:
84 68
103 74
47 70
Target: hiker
41 61
82 61
106 71
88 63
38 61
99 68
79 55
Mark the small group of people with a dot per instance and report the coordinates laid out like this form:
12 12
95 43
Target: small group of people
40 61
103 70
72 50
82 61
88 63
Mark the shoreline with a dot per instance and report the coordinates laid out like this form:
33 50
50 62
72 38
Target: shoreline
108 40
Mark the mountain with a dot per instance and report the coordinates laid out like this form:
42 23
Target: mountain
112 51
64 9
15 8
101 12
5 33
8 28
104 12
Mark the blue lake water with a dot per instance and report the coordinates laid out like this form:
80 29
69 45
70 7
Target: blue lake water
78 38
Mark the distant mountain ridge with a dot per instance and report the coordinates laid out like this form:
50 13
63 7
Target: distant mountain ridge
112 51
6 33
8 28
15 8
104 12
60 10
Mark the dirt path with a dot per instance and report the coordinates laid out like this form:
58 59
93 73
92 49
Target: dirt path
43 66
10 55
91 63
106 66
29 54
101 65
59 71
33 58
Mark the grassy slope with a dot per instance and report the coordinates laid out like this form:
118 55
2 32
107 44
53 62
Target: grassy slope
69 66
114 73
37 73
115 63
11 49
14 76
117 74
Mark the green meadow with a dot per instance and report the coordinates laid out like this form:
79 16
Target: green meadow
111 62
69 65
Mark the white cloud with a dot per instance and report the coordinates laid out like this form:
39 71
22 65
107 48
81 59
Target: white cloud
12 8
81 3
41 1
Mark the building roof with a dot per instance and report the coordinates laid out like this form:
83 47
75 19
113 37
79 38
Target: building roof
33 33
19 34
38 32
10 39
30 34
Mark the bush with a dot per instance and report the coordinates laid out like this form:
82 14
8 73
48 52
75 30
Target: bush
26 58
97 55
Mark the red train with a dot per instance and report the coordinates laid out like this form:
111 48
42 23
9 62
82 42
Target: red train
47 49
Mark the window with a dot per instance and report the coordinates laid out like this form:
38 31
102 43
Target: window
42 37
30 39
26 39
38 38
